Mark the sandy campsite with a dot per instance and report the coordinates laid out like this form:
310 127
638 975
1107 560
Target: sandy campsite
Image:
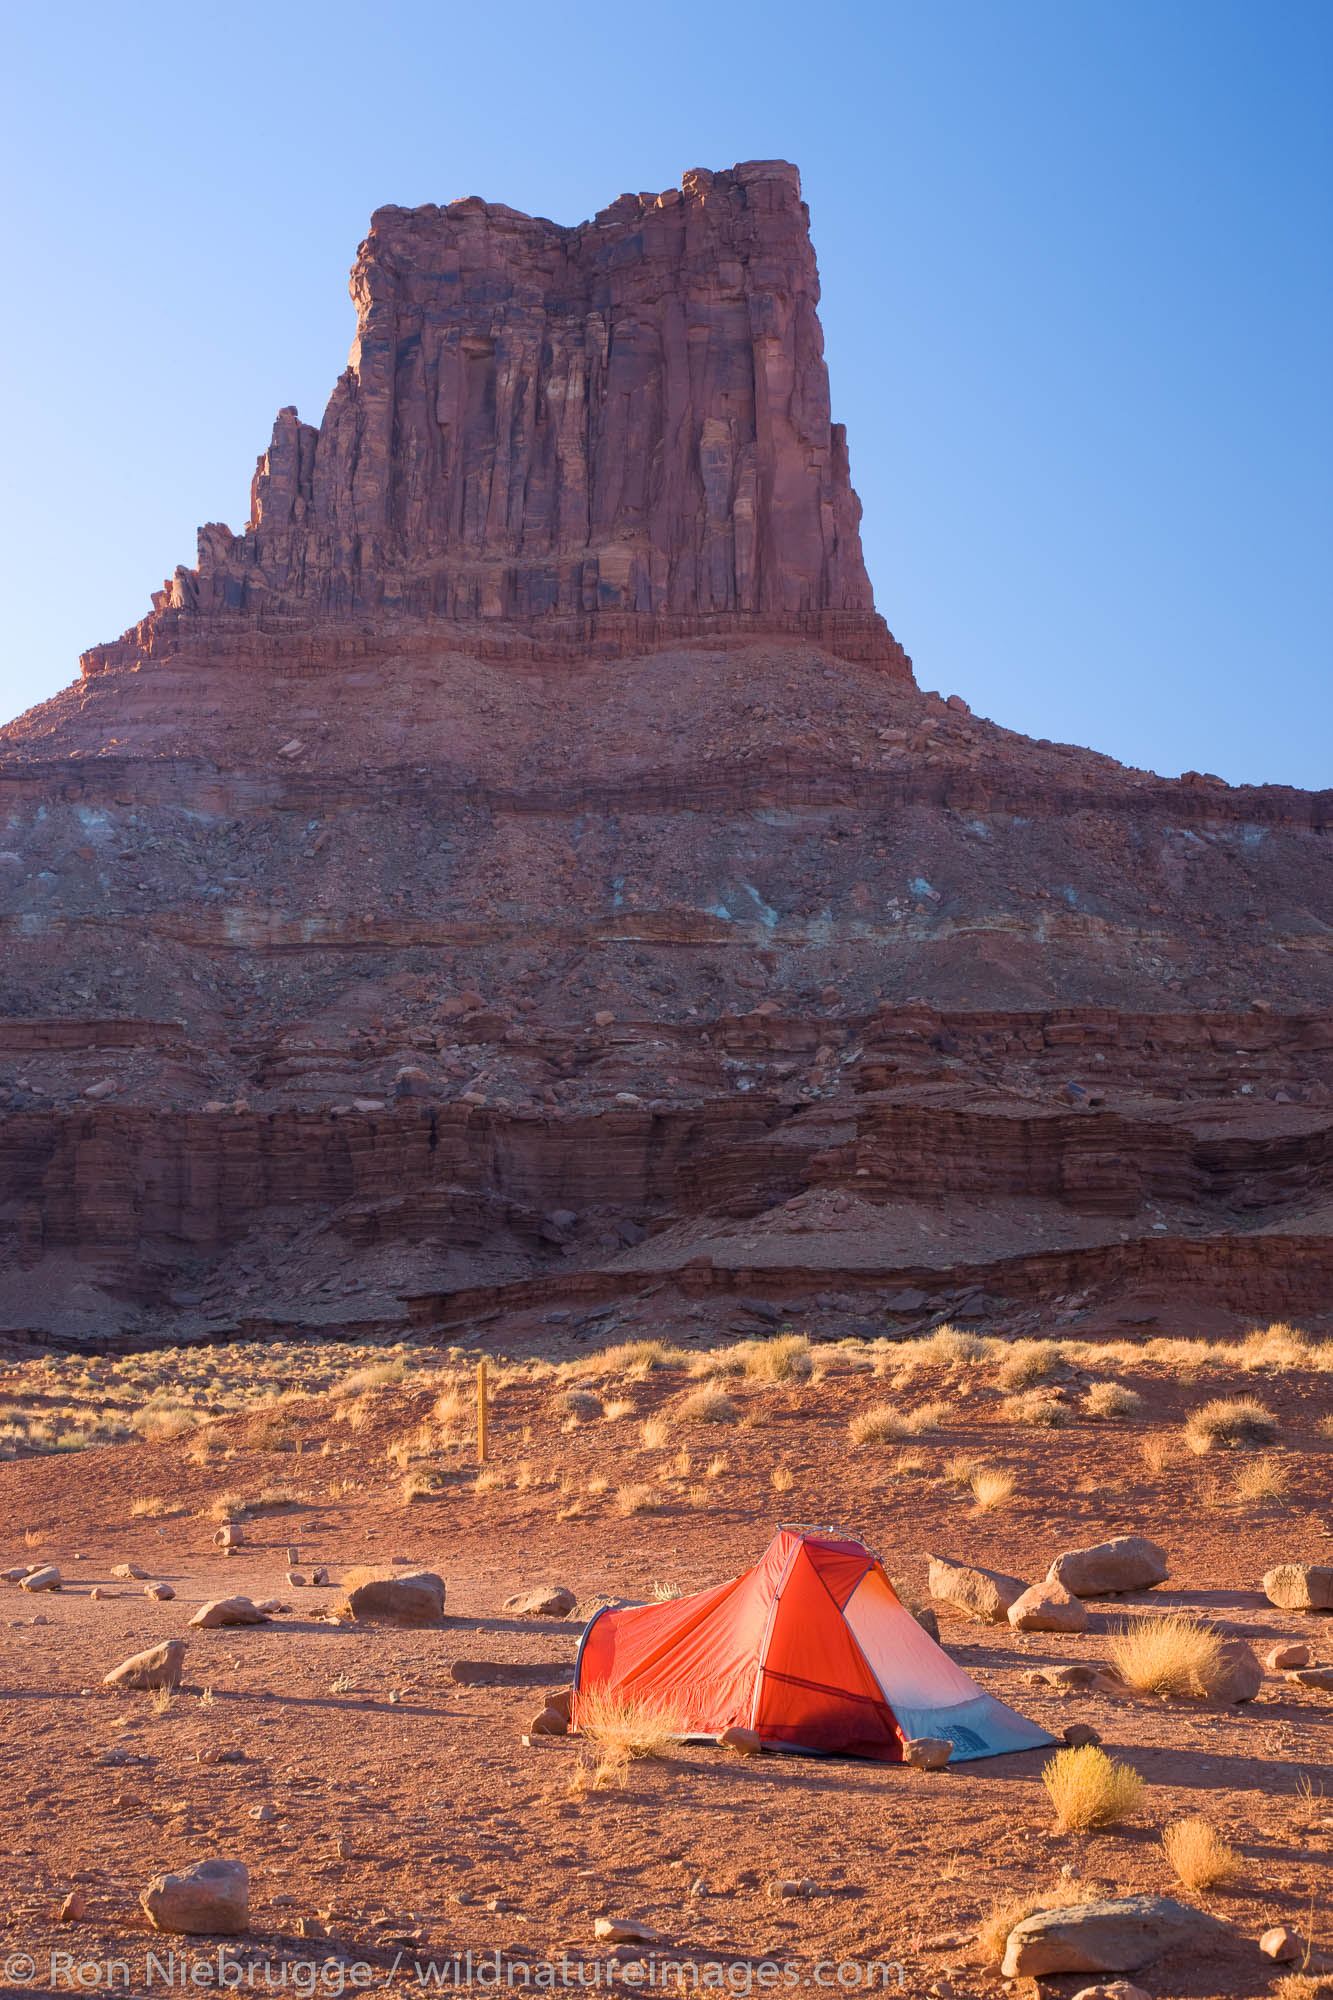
383 1786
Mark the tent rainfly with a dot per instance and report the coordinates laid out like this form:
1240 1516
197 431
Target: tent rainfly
812 1649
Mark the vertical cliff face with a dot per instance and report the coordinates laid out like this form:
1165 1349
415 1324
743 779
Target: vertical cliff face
626 420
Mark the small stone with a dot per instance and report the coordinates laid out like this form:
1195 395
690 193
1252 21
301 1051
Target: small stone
1312 1677
45 1578
265 1811
293 1555
160 1666
551 1600
72 1909
1074 1675
549 1723
1243 1676
1291 1653
129 1573
784 1891
221 1611
162 1593
1112 1989
296 1579
17 1573
97 1593
1283 1945
746 1741
1048 1607
319 1576
624 1930
104 1087
927 1753
230 1535
603 1018
1080 1734
208 1898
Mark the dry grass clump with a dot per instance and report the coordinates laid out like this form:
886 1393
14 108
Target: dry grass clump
377 1375
1198 1854
708 1405
1277 1346
958 1470
991 1486
424 1484
782 1479
1029 1361
153 1507
1037 1409
1157 1453
782 1359
165 1422
1112 1399
1259 1480
1169 1653
634 1359
637 1499
1230 1420
949 1347
1087 1788
582 1405
655 1433
715 1467
623 1726
880 1424
614 1412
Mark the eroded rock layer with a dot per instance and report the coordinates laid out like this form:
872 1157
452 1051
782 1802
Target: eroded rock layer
519 882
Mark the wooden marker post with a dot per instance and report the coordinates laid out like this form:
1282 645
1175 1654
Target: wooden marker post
481 1412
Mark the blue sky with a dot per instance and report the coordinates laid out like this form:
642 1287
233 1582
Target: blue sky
1077 259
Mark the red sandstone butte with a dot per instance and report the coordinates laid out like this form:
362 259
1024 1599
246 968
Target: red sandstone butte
620 428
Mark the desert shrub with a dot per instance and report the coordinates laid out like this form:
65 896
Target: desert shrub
782 1359
1258 1480
1037 1409
424 1484
991 1486
958 1470
614 1412
634 1358
1169 1653
655 1432
880 1424
582 1405
623 1726
1276 1346
639 1498
1029 1361
1087 1788
153 1507
1230 1420
782 1479
706 1406
377 1375
1112 1399
164 1423
1198 1854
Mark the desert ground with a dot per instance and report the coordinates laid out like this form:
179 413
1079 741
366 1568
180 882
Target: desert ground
377 1782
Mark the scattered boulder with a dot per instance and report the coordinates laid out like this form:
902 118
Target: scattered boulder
1313 1677
1048 1607
738 1737
550 1600
162 1593
1291 1653
229 1536
562 1702
414 1599
1080 1734
208 1898
983 1594
1283 1945
73 1909
227 1611
160 1666
1242 1675
624 1930
1300 1586
1115 1934
927 1753
1127 1562
297 1579
129 1573
1076 1674
97 1593
319 1577
46 1578
549 1723
1112 1989
17 1573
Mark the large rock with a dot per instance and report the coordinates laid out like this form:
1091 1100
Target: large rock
160 1666
983 1594
1300 1586
208 1899
1048 1607
227 1611
622 421
1116 1935
414 1599
1242 1675
1128 1562
551 1600
47 1577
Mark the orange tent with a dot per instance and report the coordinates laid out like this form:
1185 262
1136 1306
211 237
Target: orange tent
811 1648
